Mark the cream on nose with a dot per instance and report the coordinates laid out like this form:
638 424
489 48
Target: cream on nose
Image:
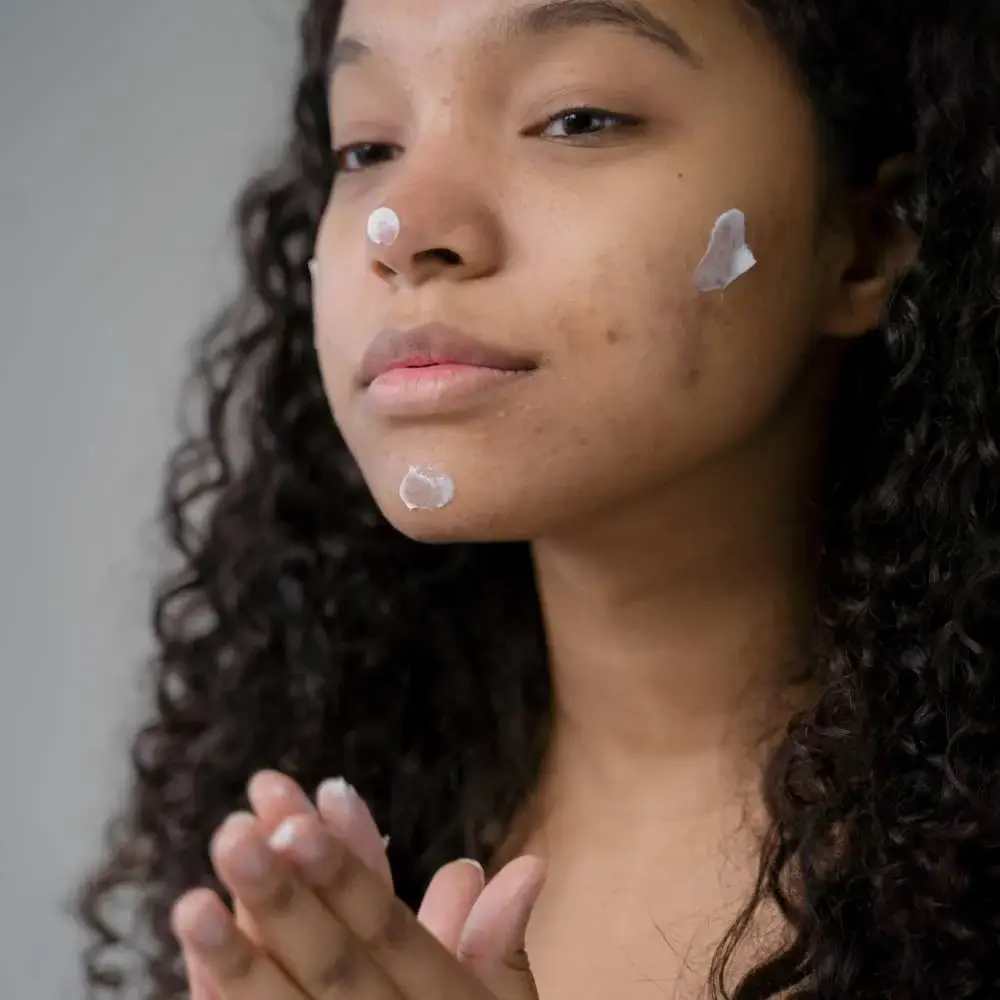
383 226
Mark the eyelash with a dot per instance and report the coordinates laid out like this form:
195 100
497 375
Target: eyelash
621 122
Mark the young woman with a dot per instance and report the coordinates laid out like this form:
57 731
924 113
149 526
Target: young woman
675 328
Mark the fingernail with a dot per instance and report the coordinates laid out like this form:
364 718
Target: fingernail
339 801
294 796
477 865
244 849
303 842
274 785
283 836
209 929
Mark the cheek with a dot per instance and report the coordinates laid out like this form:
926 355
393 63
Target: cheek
340 320
653 366
633 314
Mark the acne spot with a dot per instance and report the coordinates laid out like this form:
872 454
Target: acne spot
690 374
612 335
691 343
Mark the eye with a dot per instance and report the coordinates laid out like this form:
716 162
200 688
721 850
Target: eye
361 156
582 123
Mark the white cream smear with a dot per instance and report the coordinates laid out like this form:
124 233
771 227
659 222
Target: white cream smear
383 226
728 255
424 489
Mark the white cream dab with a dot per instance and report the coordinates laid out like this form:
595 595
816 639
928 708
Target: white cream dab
728 255
312 268
425 489
383 226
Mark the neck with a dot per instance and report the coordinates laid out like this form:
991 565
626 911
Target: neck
675 625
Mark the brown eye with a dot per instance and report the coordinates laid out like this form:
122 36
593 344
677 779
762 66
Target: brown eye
361 156
583 122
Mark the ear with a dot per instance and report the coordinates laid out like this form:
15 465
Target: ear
871 252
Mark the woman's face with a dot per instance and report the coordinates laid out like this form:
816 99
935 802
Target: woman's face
568 240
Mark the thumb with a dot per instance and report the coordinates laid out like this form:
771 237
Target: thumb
493 940
449 899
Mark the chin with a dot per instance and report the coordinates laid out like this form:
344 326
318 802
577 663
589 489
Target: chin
483 512
452 524
500 494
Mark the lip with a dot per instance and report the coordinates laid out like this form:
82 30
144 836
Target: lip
435 369
433 352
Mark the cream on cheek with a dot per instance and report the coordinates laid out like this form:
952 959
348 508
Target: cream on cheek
666 300
728 257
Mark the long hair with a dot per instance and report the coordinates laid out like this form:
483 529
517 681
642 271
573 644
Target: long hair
303 633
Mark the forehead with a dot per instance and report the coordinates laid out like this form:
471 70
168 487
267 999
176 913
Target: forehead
370 26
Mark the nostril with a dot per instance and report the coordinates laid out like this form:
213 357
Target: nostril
382 270
442 254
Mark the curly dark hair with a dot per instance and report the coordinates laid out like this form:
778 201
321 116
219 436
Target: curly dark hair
304 633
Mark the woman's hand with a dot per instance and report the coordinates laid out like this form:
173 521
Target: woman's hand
316 921
452 891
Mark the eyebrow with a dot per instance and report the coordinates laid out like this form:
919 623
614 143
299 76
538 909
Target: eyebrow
550 16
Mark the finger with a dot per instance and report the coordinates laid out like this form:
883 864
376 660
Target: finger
246 924
199 983
493 941
449 898
273 797
352 822
390 933
307 940
235 968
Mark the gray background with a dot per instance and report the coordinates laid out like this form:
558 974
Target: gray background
126 128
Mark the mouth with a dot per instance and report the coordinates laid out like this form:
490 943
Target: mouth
432 367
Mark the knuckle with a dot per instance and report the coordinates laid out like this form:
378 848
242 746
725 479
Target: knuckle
240 964
393 928
340 873
278 900
336 974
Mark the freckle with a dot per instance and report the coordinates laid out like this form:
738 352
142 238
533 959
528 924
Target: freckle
690 377
680 177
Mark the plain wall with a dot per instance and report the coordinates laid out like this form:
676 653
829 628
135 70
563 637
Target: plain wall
126 129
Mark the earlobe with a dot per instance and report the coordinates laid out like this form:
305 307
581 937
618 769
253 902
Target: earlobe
876 251
859 310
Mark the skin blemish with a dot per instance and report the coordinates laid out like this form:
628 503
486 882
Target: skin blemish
612 335
691 342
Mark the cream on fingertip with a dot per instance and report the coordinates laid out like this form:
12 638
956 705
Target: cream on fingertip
284 835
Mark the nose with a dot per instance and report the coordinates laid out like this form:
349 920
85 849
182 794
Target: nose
446 233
